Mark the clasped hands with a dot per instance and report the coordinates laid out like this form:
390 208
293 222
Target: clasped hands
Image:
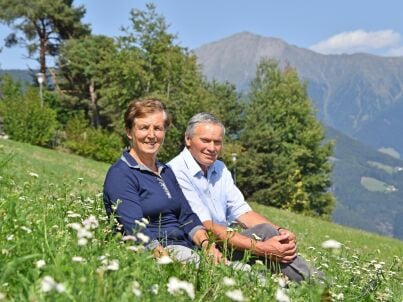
282 248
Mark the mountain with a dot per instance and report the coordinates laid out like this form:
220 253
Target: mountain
23 76
368 186
360 95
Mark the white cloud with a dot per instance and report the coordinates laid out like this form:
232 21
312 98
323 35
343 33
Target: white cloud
395 52
359 41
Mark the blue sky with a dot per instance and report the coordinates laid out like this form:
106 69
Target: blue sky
329 27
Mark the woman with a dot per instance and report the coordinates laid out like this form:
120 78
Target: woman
142 187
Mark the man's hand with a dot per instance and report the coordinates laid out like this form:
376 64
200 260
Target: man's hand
291 235
279 248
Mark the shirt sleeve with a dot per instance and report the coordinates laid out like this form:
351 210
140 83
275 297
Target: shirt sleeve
236 204
122 190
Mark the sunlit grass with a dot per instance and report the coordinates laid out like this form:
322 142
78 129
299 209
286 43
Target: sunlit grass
56 245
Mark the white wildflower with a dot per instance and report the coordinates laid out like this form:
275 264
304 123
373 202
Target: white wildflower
259 262
48 284
235 295
71 214
78 259
91 222
82 241
165 260
34 175
10 237
40 263
228 281
135 248
60 288
240 266
140 224
75 226
282 282
143 237
136 289
281 296
26 229
339 296
112 265
145 220
84 233
331 244
155 289
80 179
129 237
175 286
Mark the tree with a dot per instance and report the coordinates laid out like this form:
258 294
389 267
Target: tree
44 25
84 64
286 156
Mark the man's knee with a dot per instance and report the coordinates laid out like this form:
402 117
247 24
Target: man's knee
263 231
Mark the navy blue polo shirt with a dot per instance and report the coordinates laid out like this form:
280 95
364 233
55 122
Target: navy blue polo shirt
142 193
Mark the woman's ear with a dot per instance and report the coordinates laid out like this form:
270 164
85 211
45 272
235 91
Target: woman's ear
129 136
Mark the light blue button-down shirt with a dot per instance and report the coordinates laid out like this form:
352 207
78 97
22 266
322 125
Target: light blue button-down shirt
214 197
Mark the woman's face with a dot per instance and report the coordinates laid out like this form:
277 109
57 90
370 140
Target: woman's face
148 133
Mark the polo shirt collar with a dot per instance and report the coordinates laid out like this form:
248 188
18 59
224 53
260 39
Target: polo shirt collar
193 166
132 163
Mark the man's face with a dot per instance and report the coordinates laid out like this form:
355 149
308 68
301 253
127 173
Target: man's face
206 143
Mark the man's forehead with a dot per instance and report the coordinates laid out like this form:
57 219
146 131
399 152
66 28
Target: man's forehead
208 129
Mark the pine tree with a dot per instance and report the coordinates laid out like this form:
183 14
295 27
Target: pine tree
44 25
286 156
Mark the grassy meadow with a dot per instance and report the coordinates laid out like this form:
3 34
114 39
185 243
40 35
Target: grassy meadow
56 245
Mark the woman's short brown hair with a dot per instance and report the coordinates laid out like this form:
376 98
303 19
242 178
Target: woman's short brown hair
141 108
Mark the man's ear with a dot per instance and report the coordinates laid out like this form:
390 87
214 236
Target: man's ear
187 141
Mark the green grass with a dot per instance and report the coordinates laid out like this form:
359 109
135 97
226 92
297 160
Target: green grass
46 195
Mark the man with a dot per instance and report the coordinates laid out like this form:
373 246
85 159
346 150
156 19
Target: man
213 196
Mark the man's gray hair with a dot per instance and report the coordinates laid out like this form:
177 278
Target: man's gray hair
202 117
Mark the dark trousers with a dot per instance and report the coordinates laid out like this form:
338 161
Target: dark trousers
297 270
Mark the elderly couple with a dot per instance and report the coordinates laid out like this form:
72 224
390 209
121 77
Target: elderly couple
138 186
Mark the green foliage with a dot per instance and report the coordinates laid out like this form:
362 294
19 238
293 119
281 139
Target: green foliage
284 146
83 64
23 117
97 144
44 25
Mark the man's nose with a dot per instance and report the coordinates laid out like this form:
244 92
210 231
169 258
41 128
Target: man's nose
211 146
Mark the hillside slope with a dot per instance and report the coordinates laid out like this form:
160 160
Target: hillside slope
368 186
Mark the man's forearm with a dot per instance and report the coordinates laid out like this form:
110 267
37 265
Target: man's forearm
231 237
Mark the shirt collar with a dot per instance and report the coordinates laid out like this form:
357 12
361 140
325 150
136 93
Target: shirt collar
193 166
132 163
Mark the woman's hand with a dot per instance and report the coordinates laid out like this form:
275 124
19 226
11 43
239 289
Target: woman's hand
215 254
159 251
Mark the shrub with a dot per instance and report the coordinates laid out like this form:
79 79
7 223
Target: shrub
97 144
26 121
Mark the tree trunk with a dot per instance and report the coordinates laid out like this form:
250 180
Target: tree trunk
94 105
